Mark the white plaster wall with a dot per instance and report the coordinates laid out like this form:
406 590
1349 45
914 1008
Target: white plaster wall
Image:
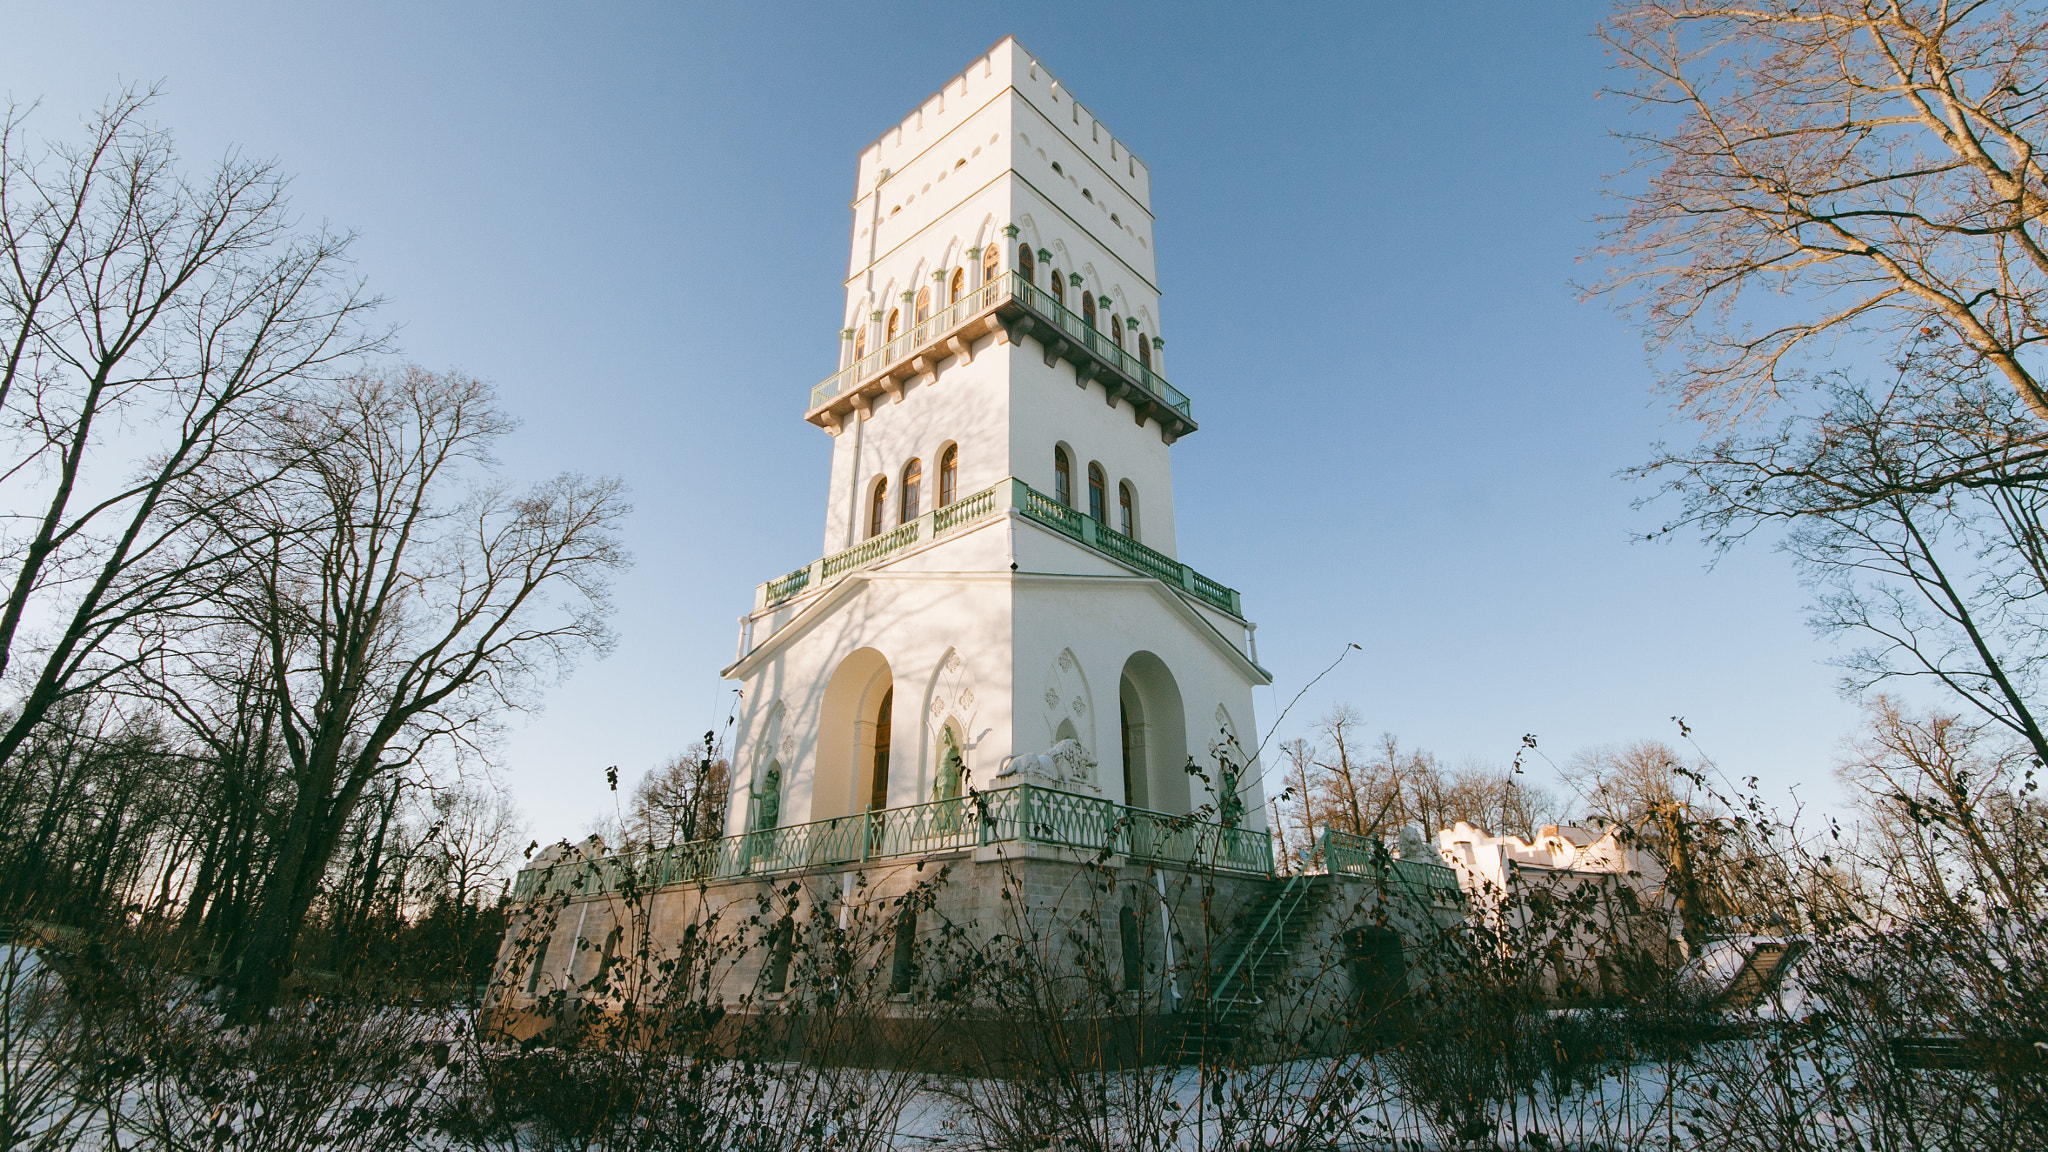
896 246
1006 411
1088 226
1103 622
916 621
1007 67
1047 408
967 405
959 597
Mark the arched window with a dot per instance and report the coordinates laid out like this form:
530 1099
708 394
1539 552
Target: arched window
878 792
1126 515
1059 288
989 261
895 322
949 475
959 286
1062 478
878 508
1098 494
1116 331
860 342
1088 309
924 305
1144 351
1027 264
913 488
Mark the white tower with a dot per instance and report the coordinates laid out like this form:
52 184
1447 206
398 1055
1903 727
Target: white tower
999 569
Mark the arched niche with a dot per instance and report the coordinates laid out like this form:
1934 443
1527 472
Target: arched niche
762 794
855 736
1153 735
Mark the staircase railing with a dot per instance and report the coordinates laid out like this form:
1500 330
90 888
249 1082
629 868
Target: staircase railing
1429 881
1258 944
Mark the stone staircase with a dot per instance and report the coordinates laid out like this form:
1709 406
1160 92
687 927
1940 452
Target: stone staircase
1260 950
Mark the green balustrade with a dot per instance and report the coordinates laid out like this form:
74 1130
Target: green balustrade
1008 286
991 501
1023 814
1427 880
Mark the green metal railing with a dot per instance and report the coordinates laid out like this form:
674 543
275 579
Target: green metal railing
1233 987
945 320
1427 880
1024 814
1008 286
991 501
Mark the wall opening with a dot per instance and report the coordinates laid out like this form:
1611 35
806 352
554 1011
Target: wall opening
851 723
1155 734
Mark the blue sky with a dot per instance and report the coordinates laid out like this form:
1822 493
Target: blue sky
632 218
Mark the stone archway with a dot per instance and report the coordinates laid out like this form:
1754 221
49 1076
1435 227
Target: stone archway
854 737
1152 727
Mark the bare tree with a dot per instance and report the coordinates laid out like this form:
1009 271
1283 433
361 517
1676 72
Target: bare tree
403 598
1919 513
681 801
480 834
145 320
1344 797
1875 167
1950 813
1296 802
1625 784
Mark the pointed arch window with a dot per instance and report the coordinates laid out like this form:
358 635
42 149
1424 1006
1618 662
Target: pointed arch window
959 286
878 508
1116 331
924 304
989 262
1062 478
1126 511
1144 352
895 322
1027 264
1059 288
1088 309
1098 494
913 490
949 475
860 342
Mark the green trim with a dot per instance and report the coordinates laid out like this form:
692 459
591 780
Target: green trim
998 498
1025 813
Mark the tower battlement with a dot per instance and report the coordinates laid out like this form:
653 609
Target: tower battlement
1006 65
946 179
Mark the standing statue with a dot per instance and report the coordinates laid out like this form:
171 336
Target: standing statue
1229 805
770 801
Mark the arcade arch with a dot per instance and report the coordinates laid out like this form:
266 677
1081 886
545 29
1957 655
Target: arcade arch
855 737
1153 735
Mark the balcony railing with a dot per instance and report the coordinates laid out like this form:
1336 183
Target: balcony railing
1430 881
1026 814
1010 287
993 501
